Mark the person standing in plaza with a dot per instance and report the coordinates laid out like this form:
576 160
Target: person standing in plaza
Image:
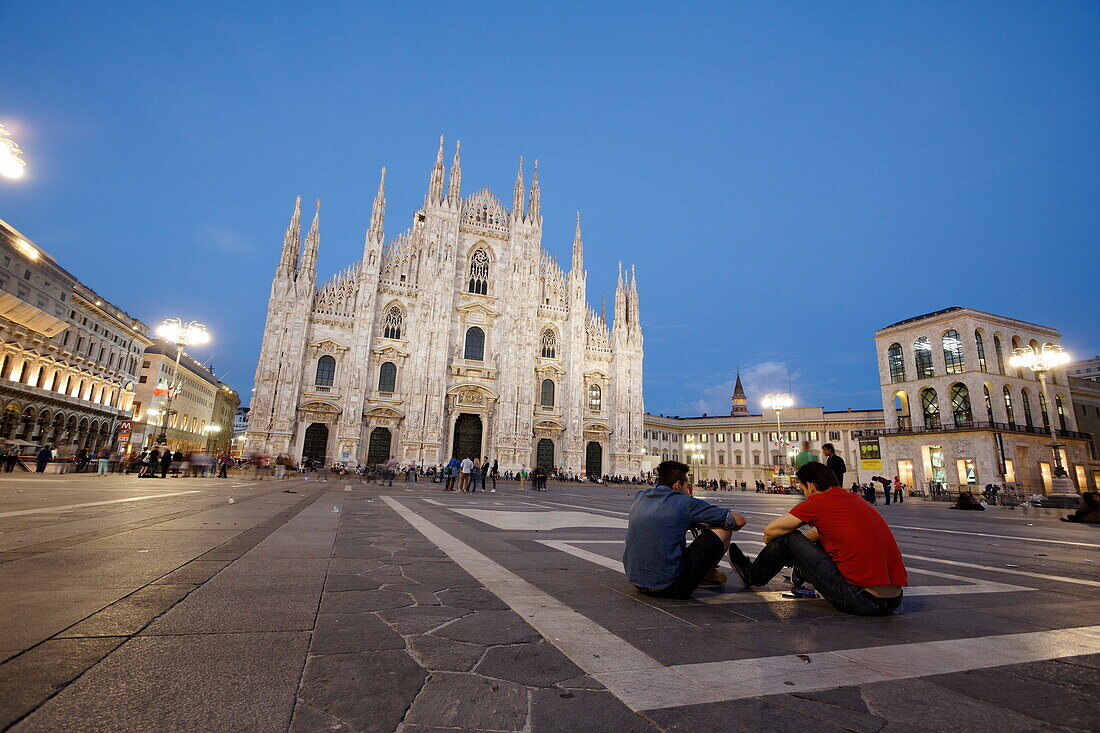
104 461
166 458
484 473
899 490
280 465
389 470
834 463
493 471
464 470
11 457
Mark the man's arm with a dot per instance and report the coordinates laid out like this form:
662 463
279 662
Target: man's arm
705 514
780 526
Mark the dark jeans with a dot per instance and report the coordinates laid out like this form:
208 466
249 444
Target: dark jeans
815 566
699 558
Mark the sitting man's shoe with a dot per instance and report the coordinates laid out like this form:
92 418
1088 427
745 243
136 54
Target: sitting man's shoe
797 581
740 564
714 578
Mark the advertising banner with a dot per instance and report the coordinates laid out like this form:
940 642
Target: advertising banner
870 454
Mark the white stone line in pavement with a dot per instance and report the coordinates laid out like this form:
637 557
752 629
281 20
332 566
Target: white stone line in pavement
545 520
433 502
1010 571
643 683
67 507
744 678
997 536
636 675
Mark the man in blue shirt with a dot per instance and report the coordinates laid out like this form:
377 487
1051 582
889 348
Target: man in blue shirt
658 560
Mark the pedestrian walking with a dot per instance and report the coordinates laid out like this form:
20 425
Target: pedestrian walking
44 456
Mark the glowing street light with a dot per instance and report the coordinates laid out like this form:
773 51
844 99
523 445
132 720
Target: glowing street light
1040 361
181 334
697 454
11 164
778 401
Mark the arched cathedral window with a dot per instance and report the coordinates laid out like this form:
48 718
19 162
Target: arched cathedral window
392 322
546 398
595 397
387 377
549 344
479 272
475 344
326 371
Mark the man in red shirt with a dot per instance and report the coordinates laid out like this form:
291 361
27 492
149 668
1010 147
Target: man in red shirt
849 554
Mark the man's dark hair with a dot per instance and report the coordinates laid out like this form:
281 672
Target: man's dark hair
669 472
828 447
818 474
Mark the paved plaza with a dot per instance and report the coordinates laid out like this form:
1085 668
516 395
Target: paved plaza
197 604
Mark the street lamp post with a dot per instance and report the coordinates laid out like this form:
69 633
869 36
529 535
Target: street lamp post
698 455
778 401
1041 361
175 331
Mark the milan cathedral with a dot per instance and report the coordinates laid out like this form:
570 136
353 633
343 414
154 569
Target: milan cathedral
459 337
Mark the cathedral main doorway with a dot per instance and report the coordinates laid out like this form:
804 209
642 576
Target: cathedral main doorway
593 460
315 445
467 437
378 450
544 454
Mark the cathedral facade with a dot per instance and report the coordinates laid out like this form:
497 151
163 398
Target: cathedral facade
459 337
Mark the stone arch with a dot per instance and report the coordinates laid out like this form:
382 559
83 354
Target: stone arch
902 410
961 411
930 407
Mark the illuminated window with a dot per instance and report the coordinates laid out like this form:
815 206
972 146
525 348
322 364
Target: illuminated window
1009 412
960 404
922 353
896 358
930 406
595 397
1025 404
952 352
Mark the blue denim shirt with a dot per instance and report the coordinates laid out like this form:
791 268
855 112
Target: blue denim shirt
659 519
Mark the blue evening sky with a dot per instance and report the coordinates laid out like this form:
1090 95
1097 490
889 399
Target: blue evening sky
787 177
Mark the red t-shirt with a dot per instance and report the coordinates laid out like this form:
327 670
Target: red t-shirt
855 536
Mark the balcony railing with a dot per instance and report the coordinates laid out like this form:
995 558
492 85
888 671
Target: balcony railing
905 428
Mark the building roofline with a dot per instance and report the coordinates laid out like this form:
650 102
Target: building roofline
955 311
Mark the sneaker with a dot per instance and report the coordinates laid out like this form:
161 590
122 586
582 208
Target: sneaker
740 564
797 581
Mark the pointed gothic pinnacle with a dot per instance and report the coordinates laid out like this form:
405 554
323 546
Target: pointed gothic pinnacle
454 186
578 247
534 206
517 193
313 240
435 183
292 238
378 210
